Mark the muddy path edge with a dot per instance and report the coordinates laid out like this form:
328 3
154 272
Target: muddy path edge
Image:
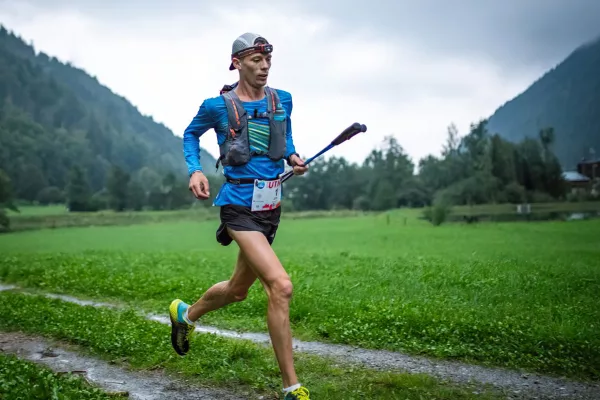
518 383
140 385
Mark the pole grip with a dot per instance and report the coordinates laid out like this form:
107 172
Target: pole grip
349 132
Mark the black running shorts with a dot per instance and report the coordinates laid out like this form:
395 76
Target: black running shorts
239 218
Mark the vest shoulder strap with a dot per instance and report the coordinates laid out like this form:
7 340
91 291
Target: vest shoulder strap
272 99
235 109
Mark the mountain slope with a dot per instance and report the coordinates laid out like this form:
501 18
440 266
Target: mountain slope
566 98
54 116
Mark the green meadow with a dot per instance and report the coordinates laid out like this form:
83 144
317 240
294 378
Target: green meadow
520 295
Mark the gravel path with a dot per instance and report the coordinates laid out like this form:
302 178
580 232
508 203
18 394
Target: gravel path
109 377
518 384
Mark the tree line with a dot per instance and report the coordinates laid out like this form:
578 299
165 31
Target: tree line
120 192
125 192
478 168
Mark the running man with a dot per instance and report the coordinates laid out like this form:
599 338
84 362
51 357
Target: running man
255 120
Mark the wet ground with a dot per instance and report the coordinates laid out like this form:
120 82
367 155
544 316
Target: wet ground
109 377
517 384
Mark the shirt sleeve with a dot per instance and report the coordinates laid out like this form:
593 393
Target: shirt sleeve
288 105
201 123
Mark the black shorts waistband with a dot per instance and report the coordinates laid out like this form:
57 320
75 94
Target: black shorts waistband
245 181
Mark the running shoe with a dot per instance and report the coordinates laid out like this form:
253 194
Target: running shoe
181 330
299 394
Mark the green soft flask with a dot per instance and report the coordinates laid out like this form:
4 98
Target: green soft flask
279 114
277 146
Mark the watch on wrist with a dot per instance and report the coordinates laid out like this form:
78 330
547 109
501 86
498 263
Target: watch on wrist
289 158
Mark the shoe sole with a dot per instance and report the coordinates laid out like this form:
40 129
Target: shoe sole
176 326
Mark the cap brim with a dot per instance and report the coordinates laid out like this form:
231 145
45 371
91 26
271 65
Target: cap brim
231 67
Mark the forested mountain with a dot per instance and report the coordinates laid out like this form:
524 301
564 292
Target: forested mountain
56 122
566 98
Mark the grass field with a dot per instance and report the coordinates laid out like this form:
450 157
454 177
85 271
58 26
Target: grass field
508 294
31 217
31 210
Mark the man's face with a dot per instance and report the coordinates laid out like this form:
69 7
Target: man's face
255 69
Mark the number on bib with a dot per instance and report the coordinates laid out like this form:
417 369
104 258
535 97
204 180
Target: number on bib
266 195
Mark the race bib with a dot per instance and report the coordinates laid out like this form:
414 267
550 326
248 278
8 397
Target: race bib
267 195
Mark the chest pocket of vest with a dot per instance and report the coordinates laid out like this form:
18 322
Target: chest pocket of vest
237 151
278 129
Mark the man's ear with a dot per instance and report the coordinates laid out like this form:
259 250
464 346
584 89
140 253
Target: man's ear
237 63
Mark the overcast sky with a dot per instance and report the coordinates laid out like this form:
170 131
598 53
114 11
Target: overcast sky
406 68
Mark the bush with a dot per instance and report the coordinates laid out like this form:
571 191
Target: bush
361 203
515 193
51 195
4 221
581 196
539 197
438 213
477 189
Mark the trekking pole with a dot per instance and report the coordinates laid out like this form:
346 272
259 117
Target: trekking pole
347 134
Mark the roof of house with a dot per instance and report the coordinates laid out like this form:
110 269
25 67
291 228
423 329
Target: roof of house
574 176
594 161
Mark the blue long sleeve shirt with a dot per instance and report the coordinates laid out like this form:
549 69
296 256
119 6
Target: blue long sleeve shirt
213 114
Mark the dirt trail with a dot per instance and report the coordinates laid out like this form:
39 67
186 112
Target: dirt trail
519 384
111 378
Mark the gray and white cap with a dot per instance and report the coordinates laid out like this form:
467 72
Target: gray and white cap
249 43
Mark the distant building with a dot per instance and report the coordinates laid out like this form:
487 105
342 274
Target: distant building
589 168
577 181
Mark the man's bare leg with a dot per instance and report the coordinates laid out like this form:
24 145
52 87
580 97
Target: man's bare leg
278 286
218 296
226 292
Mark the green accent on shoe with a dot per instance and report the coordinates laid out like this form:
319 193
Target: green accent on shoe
299 394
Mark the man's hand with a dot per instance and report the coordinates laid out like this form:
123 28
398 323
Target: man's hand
298 164
199 185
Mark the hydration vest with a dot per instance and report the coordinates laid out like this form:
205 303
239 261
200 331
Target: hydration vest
235 149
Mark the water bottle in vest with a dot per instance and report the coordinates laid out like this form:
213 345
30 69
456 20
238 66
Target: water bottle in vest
279 113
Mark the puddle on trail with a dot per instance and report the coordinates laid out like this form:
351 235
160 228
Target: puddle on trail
4 288
518 384
111 378
80 302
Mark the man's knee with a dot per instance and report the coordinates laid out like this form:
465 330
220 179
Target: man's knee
281 289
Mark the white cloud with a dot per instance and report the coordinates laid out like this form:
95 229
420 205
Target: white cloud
167 64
